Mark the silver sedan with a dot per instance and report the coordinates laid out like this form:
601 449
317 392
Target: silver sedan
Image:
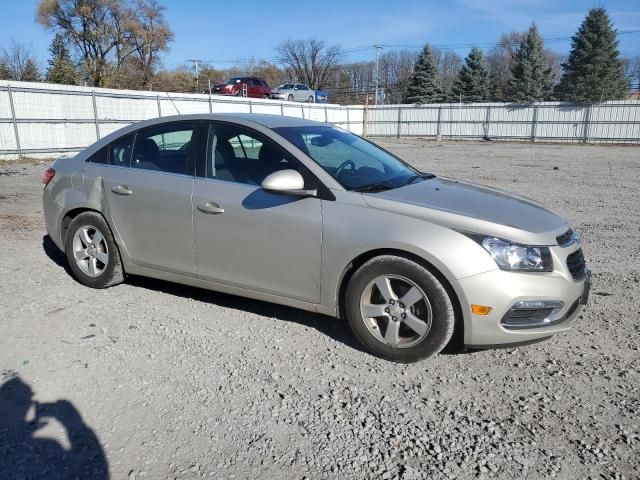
294 92
300 213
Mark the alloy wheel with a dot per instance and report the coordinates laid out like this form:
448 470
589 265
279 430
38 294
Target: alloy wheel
90 250
396 311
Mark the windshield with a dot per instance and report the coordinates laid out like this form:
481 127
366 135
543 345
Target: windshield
233 80
286 86
354 162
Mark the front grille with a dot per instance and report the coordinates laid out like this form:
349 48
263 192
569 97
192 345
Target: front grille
577 264
566 239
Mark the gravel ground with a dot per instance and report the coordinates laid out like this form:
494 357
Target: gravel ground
164 381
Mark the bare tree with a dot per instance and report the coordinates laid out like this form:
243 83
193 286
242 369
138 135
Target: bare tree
449 64
396 67
309 61
150 35
18 63
499 59
632 72
112 37
88 25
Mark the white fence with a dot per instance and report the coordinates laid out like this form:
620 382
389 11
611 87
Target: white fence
43 120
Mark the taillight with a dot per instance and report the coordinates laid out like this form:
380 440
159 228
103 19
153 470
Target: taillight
47 176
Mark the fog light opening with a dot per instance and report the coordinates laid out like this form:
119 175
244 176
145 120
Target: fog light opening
532 314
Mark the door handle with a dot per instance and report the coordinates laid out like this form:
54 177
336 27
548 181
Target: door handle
211 208
122 190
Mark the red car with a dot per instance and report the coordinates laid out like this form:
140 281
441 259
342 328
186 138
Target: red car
243 87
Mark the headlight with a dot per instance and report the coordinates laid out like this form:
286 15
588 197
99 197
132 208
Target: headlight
513 256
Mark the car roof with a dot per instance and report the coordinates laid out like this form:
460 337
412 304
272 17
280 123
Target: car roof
263 119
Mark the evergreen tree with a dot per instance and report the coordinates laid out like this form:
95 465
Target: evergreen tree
30 72
424 86
61 68
531 79
593 71
472 83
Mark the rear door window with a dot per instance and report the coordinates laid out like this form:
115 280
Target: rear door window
120 151
164 148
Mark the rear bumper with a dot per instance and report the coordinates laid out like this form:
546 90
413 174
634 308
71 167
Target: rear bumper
502 290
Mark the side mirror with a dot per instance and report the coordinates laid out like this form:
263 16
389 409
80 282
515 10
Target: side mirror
288 182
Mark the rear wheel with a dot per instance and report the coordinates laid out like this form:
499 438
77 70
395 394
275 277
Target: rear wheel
310 100
399 310
92 253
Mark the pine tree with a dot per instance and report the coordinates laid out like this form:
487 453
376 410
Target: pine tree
593 71
472 83
424 86
531 79
61 68
30 72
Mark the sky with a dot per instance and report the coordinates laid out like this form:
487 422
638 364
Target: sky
228 32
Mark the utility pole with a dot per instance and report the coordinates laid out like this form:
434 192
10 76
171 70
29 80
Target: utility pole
195 62
378 48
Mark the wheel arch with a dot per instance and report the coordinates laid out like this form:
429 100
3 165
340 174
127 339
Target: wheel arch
457 340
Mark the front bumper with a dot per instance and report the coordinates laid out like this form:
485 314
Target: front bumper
502 290
279 96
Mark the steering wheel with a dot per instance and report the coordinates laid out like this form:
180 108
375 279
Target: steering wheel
344 165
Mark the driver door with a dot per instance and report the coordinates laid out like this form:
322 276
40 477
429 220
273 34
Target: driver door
247 237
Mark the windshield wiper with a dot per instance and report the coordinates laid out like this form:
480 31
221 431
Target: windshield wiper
374 187
413 178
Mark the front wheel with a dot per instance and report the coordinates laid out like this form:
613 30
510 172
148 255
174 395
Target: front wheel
290 98
92 252
399 310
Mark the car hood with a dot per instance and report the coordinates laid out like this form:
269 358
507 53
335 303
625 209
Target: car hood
474 208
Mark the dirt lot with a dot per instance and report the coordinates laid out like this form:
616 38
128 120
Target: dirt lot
154 380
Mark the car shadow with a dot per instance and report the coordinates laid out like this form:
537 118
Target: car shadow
337 329
25 453
55 254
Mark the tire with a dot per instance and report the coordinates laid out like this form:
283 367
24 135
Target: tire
310 100
95 262
423 324
290 98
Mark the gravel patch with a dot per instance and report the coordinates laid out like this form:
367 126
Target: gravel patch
178 382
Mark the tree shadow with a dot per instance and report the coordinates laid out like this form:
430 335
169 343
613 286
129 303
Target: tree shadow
25 456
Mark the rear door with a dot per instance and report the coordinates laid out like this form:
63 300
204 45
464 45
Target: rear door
148 186
245 236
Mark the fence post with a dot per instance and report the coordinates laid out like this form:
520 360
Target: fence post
365 117
250 106
159 107
348 120
15 124
302 110
487 123
438 129
210 102
95 114
326 116
587 122
282 109
534 123
399 122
